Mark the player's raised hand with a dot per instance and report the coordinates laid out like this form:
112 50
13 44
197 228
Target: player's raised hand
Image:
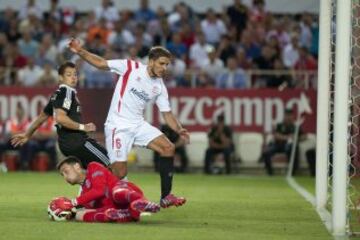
19 139
184 135
90 127
74 45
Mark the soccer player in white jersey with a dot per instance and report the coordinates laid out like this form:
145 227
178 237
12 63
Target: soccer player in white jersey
138 85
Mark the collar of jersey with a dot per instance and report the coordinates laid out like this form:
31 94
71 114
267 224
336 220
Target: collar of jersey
64 85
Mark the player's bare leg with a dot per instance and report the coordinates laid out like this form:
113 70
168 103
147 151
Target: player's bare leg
166 149
119 169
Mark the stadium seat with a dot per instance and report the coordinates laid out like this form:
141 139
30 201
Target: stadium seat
196 149
248 147
307 144
11 159
40 162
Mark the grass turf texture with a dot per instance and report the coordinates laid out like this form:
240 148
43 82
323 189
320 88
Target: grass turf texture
219 207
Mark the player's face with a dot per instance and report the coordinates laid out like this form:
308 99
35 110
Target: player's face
159 66
70 77
71 173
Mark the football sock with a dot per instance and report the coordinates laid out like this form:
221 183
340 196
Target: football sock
125 196
166 167
95 216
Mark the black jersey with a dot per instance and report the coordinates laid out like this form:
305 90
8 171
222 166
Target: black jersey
65 98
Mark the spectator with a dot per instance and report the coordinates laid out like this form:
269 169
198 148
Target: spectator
264 62
212 66
181 158
305 33
252 49
238 14
225 49
187 35
44 141
13 33
145 37
282 142
28 47
233 77
279 79
306 62
100 31
177 67
19 123
107 11
5 20
242 60
120 39
280 33
198 51
48 78
176 47
47 51
212 27
258 12
291 53
30 8
29 76
144 14
220 142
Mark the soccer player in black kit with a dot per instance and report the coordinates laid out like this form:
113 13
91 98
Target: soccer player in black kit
64 106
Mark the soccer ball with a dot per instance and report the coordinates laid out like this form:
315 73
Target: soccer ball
57 214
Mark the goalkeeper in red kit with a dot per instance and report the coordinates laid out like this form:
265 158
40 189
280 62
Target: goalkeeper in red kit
104 198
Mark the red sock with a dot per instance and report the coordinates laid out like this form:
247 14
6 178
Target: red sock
125 196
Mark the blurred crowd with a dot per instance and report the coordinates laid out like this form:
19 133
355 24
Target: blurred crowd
216 48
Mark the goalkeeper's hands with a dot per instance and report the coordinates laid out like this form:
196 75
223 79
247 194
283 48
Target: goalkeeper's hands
66 204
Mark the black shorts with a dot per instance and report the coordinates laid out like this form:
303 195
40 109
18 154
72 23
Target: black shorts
89 151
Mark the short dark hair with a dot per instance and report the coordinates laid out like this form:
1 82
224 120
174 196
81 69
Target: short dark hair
221 118
157 52
72 160
65 65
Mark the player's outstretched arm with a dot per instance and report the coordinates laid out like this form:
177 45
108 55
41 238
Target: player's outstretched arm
22 138
62 118
95 60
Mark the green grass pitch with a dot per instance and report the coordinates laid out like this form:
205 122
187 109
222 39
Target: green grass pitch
218 207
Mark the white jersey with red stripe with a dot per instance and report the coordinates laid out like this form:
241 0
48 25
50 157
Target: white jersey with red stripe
134 90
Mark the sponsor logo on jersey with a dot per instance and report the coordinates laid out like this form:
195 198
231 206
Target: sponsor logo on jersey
141 94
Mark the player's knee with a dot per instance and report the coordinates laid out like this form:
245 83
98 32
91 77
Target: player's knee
168 150
119 169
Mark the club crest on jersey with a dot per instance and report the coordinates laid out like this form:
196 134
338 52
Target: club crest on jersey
138 79
67 103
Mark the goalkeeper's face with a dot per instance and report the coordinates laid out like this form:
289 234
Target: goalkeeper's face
72 173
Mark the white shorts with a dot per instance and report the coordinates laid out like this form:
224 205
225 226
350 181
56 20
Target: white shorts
119 141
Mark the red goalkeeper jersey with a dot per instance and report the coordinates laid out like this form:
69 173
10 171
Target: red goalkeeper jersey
97 187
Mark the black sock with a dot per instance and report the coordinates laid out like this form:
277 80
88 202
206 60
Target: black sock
166 167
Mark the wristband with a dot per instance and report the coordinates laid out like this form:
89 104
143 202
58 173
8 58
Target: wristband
81 127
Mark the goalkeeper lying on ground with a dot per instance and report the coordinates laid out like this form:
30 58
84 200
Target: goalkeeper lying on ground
104 198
